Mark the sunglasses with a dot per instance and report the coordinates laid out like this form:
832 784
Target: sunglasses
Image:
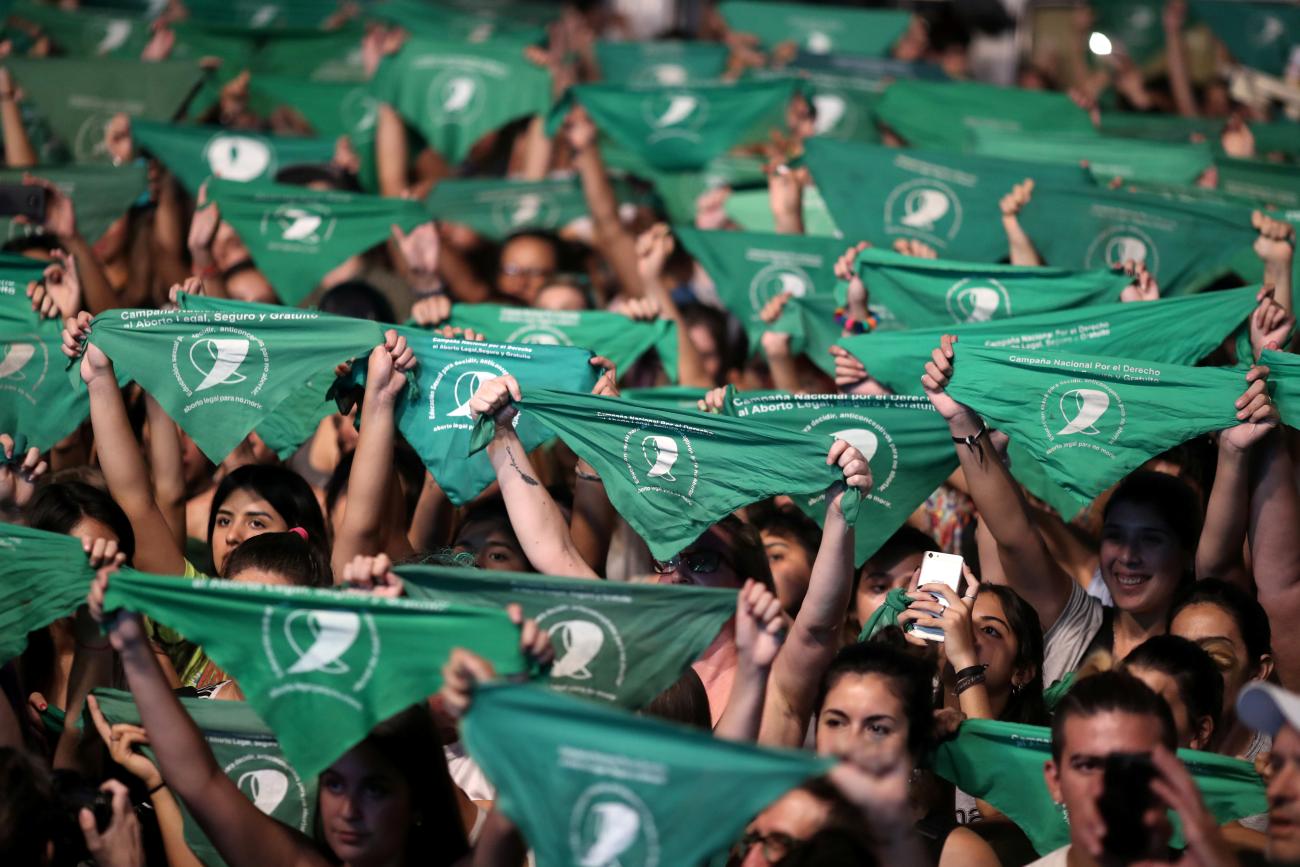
702 562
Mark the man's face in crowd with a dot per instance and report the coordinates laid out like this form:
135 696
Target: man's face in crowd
527 264
1141 560
878 578
1077 779
796 816
365 808
861 707
1284 798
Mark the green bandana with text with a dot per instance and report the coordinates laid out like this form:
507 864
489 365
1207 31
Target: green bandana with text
297 235
946 114
1091 421
219 373
1185 244
36 398
246 751
672 474
904 440
322 667
750 269
907 292
948 200
680 127
611 335
497 208
79 97
599 786
1188 328
436 420
454 93
196 153
616 642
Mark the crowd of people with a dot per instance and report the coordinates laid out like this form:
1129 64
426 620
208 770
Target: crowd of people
649 433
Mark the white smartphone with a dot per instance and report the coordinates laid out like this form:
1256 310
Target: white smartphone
939 568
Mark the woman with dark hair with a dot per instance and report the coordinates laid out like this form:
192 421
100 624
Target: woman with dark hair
883 694
78 509
388 800
255 499
1232 627
1183 675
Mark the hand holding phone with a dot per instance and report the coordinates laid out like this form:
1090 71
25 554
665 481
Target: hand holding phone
938 568
23 200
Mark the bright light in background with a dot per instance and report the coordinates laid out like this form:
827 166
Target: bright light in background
1099 43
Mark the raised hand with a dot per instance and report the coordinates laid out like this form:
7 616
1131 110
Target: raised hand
1257 415
373 575
761 625
419 247
94 363
388 363
431 311
496 398
1270 323
607 383
914 248
1144 286
579 129
1276 241
653 247
60 214
19 472
713 400
119 844
853 466
1013 202
122 741
938 373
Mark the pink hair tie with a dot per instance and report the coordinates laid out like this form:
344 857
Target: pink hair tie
302 534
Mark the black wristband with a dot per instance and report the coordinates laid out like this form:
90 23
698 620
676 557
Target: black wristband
157 789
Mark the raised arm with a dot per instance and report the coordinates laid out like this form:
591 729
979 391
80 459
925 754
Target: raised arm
166 468
1275 247
1274 516
538 522
1223 534
243 834
785 188
612 238
653 247
364 529
776 345
61 221
815 637
1173 17
119 454
760 630
1030 569
1022 249
19 153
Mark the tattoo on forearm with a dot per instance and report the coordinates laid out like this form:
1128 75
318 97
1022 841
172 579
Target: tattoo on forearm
527 478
